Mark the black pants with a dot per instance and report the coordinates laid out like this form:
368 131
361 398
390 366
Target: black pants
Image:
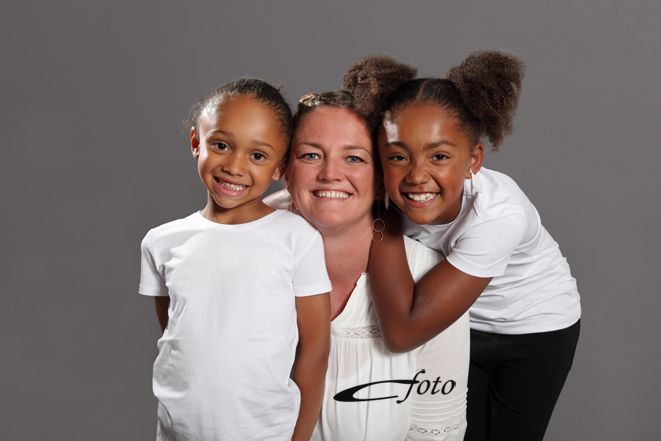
514 382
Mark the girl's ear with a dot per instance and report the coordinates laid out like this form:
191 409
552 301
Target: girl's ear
476 159
194 142
279 171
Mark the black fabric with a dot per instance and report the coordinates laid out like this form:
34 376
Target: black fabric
514 382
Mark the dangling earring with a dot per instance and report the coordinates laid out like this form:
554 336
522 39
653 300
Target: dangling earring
386 201
473 185
378 225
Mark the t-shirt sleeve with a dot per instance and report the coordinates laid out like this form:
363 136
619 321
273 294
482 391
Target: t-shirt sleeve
310 275
484 250
151 281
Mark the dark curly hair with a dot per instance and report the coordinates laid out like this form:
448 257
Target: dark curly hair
482 92
361 85
253 87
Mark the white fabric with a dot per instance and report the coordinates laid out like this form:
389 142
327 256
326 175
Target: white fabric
224 360
358 356
498 234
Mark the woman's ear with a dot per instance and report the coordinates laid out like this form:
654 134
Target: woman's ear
194 142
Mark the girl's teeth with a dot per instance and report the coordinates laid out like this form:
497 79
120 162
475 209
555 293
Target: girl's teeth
420 197
235 187
331 194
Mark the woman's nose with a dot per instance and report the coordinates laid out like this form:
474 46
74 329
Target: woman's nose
330 171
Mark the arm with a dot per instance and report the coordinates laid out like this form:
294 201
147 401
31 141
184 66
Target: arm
162 304
410 314
309 369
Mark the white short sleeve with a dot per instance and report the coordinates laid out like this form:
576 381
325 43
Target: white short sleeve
151 281
310 275
485 249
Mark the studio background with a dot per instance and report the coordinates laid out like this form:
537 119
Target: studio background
93 95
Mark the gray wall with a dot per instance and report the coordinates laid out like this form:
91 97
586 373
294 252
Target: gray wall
93 94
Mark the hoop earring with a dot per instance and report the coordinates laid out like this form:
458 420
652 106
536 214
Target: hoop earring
378 226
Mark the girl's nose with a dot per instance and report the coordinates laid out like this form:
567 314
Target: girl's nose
416 175
234 165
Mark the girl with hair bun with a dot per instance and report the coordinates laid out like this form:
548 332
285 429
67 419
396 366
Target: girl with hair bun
499 260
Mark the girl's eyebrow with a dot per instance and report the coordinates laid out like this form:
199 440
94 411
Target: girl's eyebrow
255 142
433 145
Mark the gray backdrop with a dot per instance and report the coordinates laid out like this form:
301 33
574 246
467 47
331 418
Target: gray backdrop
93 94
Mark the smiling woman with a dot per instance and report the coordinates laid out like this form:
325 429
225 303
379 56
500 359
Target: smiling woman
370 392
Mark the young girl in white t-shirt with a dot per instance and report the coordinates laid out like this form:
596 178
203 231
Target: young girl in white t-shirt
240 288
499 260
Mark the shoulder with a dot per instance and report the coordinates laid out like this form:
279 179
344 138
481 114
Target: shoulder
167 229
280 199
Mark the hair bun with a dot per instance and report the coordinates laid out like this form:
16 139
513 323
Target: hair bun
371 79
489 83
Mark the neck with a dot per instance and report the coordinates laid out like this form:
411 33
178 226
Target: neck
347 253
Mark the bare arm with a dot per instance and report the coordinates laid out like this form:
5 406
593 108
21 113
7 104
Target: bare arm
162 304
410 314
309 369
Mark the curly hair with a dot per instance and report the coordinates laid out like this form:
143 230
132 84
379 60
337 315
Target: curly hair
482 92
252 87
364 88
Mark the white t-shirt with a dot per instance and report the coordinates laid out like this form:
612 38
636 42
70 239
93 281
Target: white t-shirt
358 356
498 234
224 360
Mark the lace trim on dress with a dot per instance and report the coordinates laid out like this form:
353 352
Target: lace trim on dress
358 332
426 432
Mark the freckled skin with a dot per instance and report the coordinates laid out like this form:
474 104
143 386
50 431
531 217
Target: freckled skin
332 151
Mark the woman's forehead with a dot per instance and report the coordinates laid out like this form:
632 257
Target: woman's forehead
332 126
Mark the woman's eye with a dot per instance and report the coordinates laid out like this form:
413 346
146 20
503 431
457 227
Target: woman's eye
310 156
354 159
439 156
258 156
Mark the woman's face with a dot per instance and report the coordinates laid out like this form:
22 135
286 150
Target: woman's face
331 170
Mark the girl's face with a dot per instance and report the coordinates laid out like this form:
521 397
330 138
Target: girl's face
331 172
426 156
239 148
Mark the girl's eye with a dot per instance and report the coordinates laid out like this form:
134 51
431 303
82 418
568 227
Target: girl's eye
354 159
396 158
310 156
439 156
258 156
220 146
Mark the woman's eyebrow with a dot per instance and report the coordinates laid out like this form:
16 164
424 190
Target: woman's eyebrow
309 144
358 147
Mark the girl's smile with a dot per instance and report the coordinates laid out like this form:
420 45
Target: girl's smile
426 156
239 147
